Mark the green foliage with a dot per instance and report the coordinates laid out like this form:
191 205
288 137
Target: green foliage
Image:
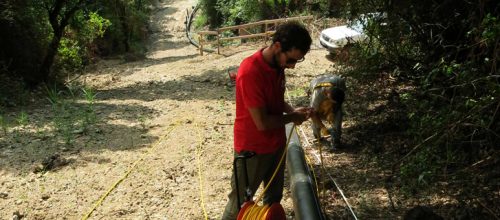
93 27
11 89
210 12
22 39
53 95
69 117
69 54
450 56
89 116
419 170
3 124
366 205
61 113
33 29
200 21
491 29
22 119
234 12
78 44
89 95
88 28
460 122
126 22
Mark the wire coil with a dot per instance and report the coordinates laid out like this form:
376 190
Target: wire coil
252 211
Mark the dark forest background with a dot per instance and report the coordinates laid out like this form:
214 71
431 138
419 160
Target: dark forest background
43 41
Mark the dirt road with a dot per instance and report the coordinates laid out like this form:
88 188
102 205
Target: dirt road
162 143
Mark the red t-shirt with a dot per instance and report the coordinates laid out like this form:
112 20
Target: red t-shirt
258 85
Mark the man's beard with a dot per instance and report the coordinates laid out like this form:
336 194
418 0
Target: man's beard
275 62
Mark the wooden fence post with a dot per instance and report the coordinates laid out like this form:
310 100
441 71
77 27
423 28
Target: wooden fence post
218 41
200 40
244 34
266 36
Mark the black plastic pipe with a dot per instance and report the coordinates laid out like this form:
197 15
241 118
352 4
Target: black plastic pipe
188 23
305 200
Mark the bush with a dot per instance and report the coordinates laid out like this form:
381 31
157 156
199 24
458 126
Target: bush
450 55
30 45
69 54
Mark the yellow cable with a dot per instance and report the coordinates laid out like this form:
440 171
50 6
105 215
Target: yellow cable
259 212
101 199
200 173
308 160
322 195
277 167
256 212
311 167
323 170
322 177
264 211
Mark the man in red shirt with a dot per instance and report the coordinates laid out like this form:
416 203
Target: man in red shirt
261 113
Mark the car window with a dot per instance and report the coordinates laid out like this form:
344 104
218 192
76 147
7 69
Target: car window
362 21
357 26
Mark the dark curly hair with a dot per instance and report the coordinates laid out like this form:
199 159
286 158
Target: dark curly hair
292 34
338 95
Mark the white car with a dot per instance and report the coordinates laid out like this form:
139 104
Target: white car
336 38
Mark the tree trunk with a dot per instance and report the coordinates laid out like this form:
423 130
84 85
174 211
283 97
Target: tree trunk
292 5
58 26
126 31
44 73
121 10
284 9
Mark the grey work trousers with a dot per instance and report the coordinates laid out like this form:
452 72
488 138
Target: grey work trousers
260 168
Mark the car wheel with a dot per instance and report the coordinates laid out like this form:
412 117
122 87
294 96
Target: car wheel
331 56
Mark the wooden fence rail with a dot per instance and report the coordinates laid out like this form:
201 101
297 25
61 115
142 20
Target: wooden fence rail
244 33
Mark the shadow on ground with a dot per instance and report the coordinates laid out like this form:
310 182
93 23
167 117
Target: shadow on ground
120 122
210 85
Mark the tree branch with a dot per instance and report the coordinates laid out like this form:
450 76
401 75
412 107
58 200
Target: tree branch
54 13
489 210
69 14
414 148
495 116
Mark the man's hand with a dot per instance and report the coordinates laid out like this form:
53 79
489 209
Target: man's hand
301 114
